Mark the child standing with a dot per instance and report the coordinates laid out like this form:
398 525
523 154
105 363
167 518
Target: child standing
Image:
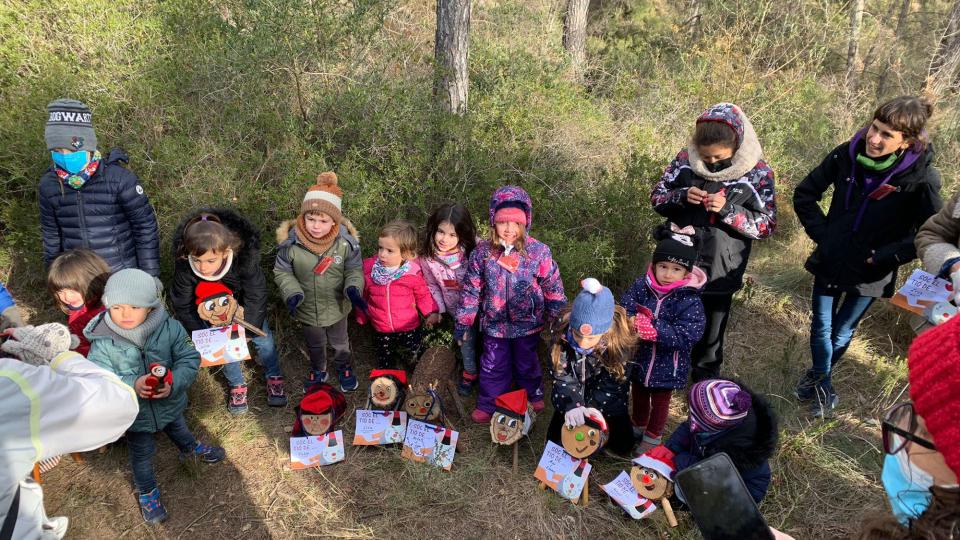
514 285
668 316
447 244
320 273
394 290
76 279
90 202
221 246
136 328
590 354
722 187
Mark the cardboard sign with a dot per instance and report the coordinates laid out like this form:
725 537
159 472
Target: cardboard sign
221 345
427 443
379 427
326 449
622 491
922 289
564 473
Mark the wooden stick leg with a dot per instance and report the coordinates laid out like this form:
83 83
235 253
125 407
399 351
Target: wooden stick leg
668 510
516 457
543 487
585 496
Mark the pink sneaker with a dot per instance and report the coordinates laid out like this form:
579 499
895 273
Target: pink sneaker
538 406
480 417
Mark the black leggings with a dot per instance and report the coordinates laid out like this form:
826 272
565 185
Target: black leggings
393 347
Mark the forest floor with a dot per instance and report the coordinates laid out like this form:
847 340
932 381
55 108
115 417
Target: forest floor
825 475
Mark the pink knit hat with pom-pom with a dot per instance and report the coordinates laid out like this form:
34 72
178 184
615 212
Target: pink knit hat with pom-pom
717 404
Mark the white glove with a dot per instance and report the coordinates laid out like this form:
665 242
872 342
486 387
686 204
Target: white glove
575 417
590 411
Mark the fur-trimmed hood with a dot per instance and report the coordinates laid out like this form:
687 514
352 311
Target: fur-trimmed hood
752 442
287 230
748 154
249 252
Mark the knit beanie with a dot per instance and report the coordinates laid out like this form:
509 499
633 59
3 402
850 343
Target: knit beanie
69 125
324 196
132 287
676 245
510 213
592 311
717 404
933 364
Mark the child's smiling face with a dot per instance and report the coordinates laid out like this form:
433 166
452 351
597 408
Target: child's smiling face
389 252
446 239
508 231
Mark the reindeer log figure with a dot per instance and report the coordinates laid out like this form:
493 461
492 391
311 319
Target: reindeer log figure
217 306
652 479
512 419
432 388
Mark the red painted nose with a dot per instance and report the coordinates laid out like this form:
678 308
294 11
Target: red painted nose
646 479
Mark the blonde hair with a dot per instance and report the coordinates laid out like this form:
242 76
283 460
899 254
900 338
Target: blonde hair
404 234
80 270
519 245
618 343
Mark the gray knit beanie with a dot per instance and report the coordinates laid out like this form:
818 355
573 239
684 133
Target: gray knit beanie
70 125
132 287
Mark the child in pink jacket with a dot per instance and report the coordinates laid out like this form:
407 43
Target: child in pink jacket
393 292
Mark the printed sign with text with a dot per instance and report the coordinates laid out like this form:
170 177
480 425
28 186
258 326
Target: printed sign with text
221 345
623 492
564 473
379 427
427 443
306 452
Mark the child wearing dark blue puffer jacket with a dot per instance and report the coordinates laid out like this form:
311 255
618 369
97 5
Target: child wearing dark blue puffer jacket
668 316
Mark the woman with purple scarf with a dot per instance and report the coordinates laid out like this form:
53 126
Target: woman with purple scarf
884 188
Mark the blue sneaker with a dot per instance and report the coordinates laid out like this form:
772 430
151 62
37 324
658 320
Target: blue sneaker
205 453
315 376
348 381
151 508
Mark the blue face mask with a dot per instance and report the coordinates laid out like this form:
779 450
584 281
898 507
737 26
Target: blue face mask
72 162
907 487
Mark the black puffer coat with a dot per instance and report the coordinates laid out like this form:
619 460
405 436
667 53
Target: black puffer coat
110 215
245 277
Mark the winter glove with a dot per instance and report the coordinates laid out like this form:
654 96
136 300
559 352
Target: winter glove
660 452
293 301
356 298
10 318
643 324
575 417
38 345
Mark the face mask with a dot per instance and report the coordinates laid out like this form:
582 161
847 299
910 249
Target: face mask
72 162
718 166
907 487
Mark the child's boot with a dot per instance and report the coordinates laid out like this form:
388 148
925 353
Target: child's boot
151 508
465 387
805 387
480 417
825 400
238 400
313 377
348 381
205 453
276 395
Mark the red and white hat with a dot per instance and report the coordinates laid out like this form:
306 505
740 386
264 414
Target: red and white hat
663 466
512 403
398 375
210 289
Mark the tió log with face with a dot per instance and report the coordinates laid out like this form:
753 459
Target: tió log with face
219 310
422 405
650 484
582 441
384 393
316 424
505 429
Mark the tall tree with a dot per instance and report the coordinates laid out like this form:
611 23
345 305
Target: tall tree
452 84
946 59
853 45
575 34
897 35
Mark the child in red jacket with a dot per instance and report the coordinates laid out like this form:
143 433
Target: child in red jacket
76 279
393 292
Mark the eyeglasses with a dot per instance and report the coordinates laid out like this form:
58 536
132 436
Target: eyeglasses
899 426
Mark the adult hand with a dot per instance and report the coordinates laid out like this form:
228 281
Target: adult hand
715 202
293 301
432 319
695 195
575 417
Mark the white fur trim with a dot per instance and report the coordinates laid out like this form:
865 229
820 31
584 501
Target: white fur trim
323 196
661 467
744 160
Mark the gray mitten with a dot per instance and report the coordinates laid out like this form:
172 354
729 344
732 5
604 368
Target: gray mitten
38 345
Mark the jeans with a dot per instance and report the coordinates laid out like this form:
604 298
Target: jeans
266 357
469 351
142 446
834 321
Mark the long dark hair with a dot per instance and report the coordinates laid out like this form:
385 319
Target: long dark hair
462 222
940 520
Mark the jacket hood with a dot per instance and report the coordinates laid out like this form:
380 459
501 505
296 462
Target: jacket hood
511 194
287 231
247 231
698 278
748 154
753 441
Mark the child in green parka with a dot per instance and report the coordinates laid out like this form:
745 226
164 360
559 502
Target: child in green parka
320 274
150 351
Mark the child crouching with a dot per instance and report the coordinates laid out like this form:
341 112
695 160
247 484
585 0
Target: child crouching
136 329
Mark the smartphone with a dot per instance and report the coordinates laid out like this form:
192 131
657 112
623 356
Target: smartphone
719 501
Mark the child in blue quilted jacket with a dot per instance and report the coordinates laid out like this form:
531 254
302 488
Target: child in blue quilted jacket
669 320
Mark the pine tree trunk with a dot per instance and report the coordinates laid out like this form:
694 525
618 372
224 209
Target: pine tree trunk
452 84
897 35
575 35
943 66
853 46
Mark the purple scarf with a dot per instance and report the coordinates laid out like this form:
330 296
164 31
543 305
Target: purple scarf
871 180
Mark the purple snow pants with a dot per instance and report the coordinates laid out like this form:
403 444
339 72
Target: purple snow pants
505 361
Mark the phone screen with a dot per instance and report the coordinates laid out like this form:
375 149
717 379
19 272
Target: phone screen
720 502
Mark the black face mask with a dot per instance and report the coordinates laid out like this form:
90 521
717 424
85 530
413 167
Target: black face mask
718 166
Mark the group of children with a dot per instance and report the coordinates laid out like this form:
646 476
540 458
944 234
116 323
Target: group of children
500 292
